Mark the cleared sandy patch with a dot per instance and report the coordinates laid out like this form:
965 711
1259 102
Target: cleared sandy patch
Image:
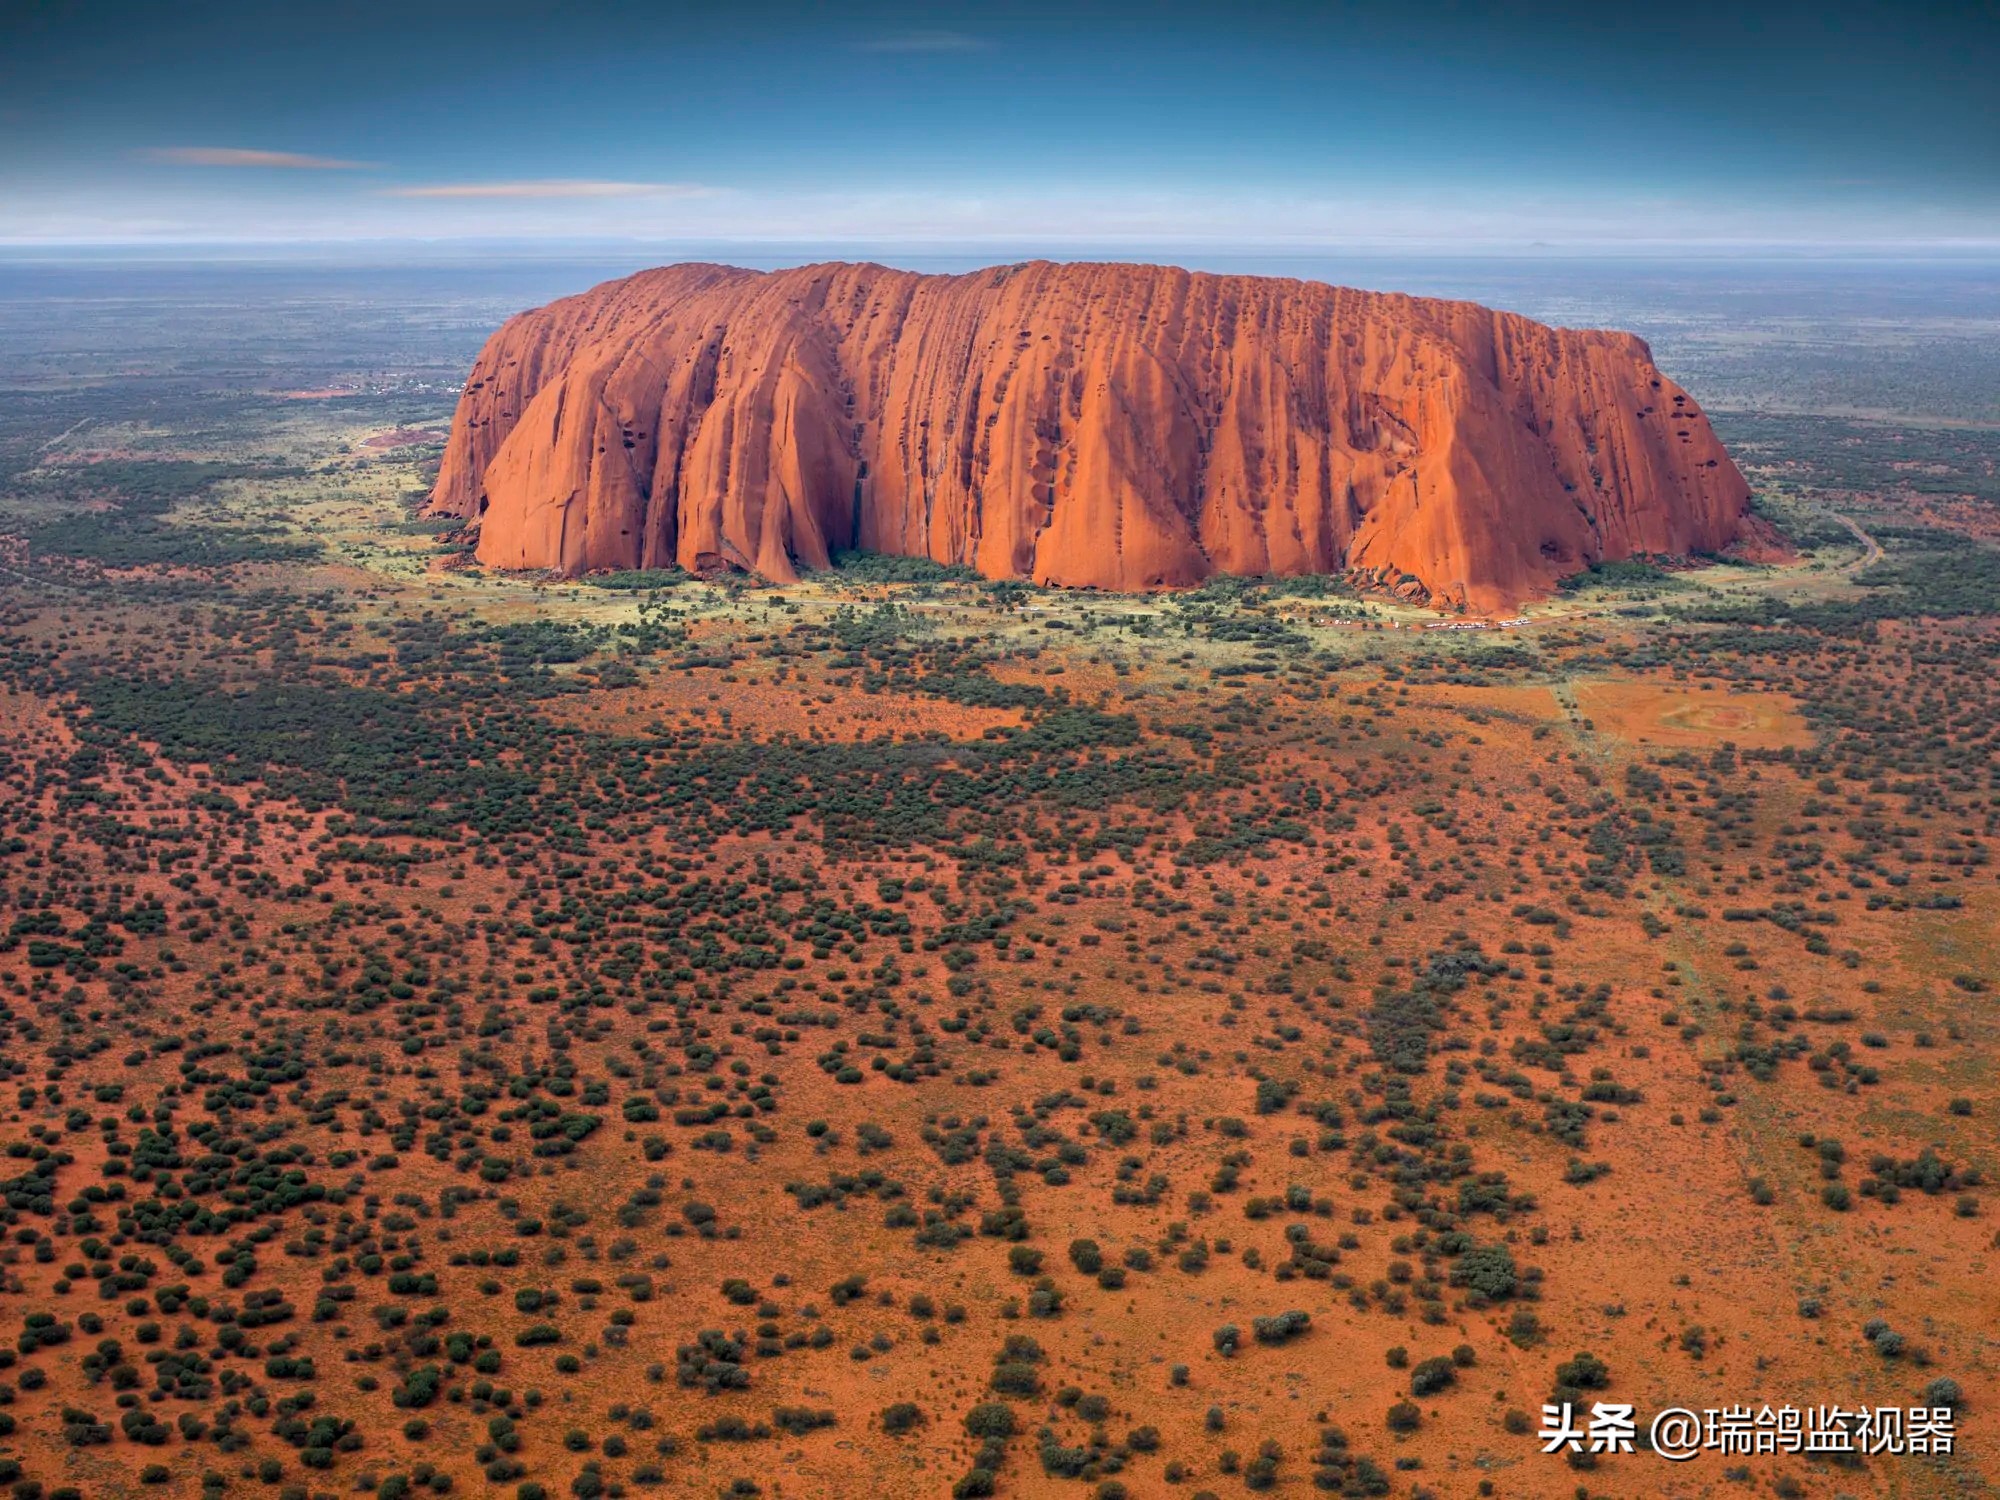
1646 713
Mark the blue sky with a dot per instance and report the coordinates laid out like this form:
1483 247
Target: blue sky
1372 124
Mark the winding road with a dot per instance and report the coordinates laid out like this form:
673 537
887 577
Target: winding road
1871 550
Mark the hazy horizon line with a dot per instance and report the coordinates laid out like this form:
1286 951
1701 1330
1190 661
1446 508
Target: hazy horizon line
1040 247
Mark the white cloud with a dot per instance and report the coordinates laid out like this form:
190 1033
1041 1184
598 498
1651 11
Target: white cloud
550 187
236 156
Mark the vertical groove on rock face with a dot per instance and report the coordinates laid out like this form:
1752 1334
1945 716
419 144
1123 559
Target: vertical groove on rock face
1109 426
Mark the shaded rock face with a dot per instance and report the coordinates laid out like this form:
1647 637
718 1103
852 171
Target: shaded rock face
1110 426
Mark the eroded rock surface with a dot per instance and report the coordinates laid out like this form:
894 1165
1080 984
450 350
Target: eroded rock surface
1114 426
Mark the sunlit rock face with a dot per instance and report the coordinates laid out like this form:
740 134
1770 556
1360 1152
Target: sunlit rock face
1109 426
